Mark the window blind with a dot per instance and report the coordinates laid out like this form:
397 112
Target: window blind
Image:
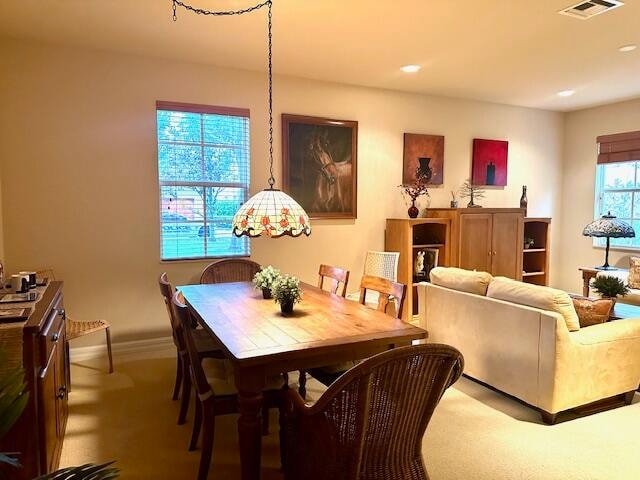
619 147
203 171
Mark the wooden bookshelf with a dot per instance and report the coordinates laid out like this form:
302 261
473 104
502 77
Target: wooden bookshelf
408 236
535 260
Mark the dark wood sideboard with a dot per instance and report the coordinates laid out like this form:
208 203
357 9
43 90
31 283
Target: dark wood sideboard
37 436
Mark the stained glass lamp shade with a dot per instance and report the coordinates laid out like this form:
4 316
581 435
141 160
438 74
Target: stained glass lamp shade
271 213
608 226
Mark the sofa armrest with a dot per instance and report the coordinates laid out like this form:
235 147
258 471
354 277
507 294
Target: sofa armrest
613 331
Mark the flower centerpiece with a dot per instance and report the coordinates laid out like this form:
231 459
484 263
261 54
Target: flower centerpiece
264 280
286 291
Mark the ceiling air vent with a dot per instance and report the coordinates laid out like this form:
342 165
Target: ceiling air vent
590 8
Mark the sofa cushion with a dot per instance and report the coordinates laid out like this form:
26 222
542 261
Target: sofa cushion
461 280
592 311
544 298
634 273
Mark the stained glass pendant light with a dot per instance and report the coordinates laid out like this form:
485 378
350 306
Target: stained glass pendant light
270 212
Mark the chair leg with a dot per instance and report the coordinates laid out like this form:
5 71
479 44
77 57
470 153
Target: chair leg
209 424
186 395
283 436
197 424
265 420
302 384
628 397
179 373
109 352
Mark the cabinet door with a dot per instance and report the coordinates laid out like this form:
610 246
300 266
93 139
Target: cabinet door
475 241
507 235
48 411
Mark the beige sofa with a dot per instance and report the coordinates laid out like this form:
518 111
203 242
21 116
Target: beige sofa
529 352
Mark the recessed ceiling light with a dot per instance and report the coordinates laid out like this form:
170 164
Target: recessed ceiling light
411 68
627 48
566 93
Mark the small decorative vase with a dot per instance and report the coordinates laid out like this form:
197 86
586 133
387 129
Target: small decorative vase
286 307
266 293
413 210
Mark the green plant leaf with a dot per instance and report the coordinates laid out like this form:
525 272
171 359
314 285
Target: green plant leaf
89 471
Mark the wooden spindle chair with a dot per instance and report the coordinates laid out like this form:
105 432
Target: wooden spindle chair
370 423
385 288
216 394
205 345
334 276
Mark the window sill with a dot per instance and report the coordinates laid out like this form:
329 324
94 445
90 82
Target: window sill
619 249
201 259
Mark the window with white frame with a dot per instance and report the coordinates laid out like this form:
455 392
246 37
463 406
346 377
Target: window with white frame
618 192
203 171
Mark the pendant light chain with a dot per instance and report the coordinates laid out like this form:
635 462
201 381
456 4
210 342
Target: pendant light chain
268 4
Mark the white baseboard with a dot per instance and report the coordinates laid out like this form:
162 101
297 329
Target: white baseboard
150 348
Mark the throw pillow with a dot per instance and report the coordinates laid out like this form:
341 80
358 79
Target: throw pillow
634 272
537 296
592 311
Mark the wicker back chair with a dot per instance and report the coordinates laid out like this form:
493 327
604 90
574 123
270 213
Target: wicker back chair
335 276
369 424
230 270
386 289
79 328
205 346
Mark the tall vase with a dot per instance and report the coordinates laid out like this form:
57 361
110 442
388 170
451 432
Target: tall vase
524 202
413 210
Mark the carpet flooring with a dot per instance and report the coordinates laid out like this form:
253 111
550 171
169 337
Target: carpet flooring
476 433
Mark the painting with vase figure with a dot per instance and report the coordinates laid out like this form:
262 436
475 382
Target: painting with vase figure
319 159
424 157
489 165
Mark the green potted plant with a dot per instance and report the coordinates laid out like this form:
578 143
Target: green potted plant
265 279
609 287
286 291
529 242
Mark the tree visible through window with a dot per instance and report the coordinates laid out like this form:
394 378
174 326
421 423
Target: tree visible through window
203 169
618 192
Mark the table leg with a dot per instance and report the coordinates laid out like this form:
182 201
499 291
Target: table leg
250 383
586 279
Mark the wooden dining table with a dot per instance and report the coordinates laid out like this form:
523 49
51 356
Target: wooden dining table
260 341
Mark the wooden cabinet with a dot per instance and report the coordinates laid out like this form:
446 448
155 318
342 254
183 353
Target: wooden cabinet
39 432
486 239
408 237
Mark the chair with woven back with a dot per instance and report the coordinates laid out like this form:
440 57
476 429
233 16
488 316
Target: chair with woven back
216 392
79 328
385 289
370 423
230 270
205 345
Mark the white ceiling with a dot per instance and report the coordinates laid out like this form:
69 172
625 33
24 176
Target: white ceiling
518 52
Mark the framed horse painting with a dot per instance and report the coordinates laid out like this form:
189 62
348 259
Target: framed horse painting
319 157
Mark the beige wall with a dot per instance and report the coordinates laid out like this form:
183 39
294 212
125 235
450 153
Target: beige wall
78 145
580 155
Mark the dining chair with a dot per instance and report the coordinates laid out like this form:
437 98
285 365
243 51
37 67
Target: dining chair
80 328
370 423
385 289
216 392
230 270
335 276
205 345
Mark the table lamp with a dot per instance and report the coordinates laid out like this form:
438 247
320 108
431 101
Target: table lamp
608 226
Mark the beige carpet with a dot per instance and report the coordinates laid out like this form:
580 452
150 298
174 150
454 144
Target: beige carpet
476 433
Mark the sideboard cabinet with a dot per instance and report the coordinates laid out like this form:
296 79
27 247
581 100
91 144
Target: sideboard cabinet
486 239
38 434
